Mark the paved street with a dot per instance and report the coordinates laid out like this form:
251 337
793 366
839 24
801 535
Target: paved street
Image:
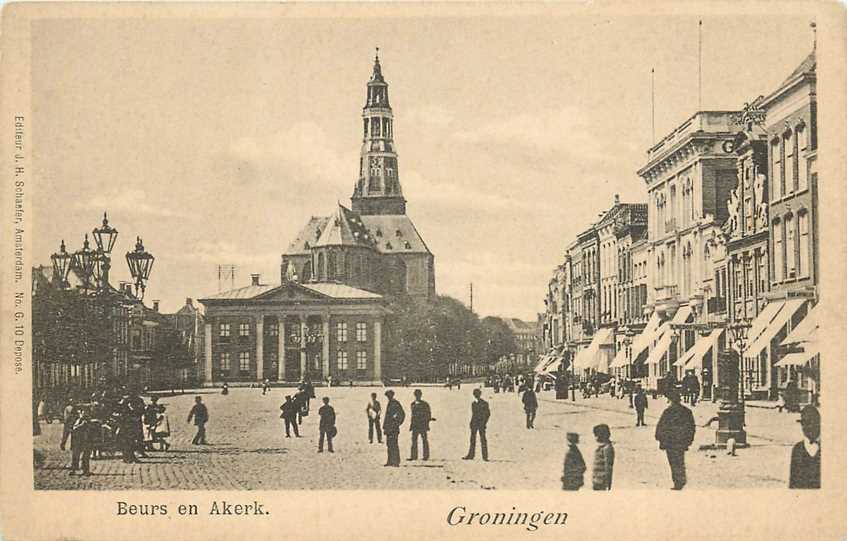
249 450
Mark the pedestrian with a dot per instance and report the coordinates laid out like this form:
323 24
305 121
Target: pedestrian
81 439
574 467
68 418
675 433
150 418
201 417
530 406
394 417
805 469
421 415
326 425
458 384
289 416
604 458
225 389
266 385
480 413
41 409
449 383
374 410
639 401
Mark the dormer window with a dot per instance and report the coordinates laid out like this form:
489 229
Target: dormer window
408 245
398 233
306 245
317 234
379 232
388 246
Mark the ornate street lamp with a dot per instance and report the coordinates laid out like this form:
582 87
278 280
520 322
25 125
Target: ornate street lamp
84 261
739 330
105 236
140 264
61 265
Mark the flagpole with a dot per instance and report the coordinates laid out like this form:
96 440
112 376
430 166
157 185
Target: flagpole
700 66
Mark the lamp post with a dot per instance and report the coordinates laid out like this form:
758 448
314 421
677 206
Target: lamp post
739 330
140 264
61 265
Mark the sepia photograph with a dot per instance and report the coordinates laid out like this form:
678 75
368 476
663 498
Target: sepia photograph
672 314
368 248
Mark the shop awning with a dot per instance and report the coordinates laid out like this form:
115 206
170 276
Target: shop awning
646 338
662 344
799 359
682 315
806 331
784 312
544 360
590 356
620 359
693 358
553 366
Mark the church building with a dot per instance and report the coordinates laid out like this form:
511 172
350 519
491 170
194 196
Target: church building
325 316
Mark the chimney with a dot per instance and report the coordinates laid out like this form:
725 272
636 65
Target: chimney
617 199
156 305
254 279
189 301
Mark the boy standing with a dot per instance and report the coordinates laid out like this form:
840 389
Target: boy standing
604 458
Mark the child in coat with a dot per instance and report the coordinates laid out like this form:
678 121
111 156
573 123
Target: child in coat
574 467
604 458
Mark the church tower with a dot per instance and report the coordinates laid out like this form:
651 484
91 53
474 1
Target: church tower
378 189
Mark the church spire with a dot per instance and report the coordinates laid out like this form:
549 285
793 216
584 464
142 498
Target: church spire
378 188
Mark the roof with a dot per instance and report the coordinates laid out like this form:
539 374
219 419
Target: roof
344 228
340 291
309 235
328 289
247 292
808 65
518 325
394 233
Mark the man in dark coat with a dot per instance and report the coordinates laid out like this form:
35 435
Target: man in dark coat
419 425
201 417
326 425
480 414
806 455
374 411
530 406
82 438
675 433
639 401
289 416
394 417
68 418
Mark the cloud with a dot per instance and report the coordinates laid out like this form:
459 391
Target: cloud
130 201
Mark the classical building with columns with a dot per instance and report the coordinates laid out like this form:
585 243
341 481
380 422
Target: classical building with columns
294 331
325 316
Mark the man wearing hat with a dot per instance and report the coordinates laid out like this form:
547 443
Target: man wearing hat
675 434
480 413
806 455
419 425
289 416
394 417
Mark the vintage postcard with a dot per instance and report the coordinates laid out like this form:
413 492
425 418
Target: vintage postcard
447 271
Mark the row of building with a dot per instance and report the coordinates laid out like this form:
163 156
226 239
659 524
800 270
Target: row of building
729 234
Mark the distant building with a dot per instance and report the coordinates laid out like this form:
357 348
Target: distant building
525 339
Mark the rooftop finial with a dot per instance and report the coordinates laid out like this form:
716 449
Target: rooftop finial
377 54
814 28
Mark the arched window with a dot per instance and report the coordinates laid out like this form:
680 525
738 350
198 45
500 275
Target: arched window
307 271
778 251
331 267
790 246
776 169
321 269
790 162
803 266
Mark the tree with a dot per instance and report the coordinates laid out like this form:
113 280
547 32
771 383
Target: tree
500 340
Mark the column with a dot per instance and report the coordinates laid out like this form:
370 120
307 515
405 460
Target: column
260 347
207 377
280 356
377 350
325 353
303 330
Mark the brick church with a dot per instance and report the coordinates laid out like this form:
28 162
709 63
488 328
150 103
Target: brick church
325 316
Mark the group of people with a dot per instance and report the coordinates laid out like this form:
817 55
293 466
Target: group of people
112 420
510 383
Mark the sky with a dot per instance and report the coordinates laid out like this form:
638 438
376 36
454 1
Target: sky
216 139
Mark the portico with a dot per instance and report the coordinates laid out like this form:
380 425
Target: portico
292 332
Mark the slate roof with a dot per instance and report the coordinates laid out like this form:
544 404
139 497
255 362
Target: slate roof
387 233
808 65
329 289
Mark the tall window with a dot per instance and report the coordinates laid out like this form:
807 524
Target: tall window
763 273
320 274
244 361
790 163
331 268
224 330
778 254
225 361
776 168
803 267
273 329
361 332
342 360
341 331
243 329
790 248
361 360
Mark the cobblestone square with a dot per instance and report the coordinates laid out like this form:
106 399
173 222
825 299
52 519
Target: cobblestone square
248 448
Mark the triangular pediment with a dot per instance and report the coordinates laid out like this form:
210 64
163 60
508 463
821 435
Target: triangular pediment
291 292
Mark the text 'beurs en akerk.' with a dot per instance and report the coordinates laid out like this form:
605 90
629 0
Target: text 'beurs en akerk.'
222 508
